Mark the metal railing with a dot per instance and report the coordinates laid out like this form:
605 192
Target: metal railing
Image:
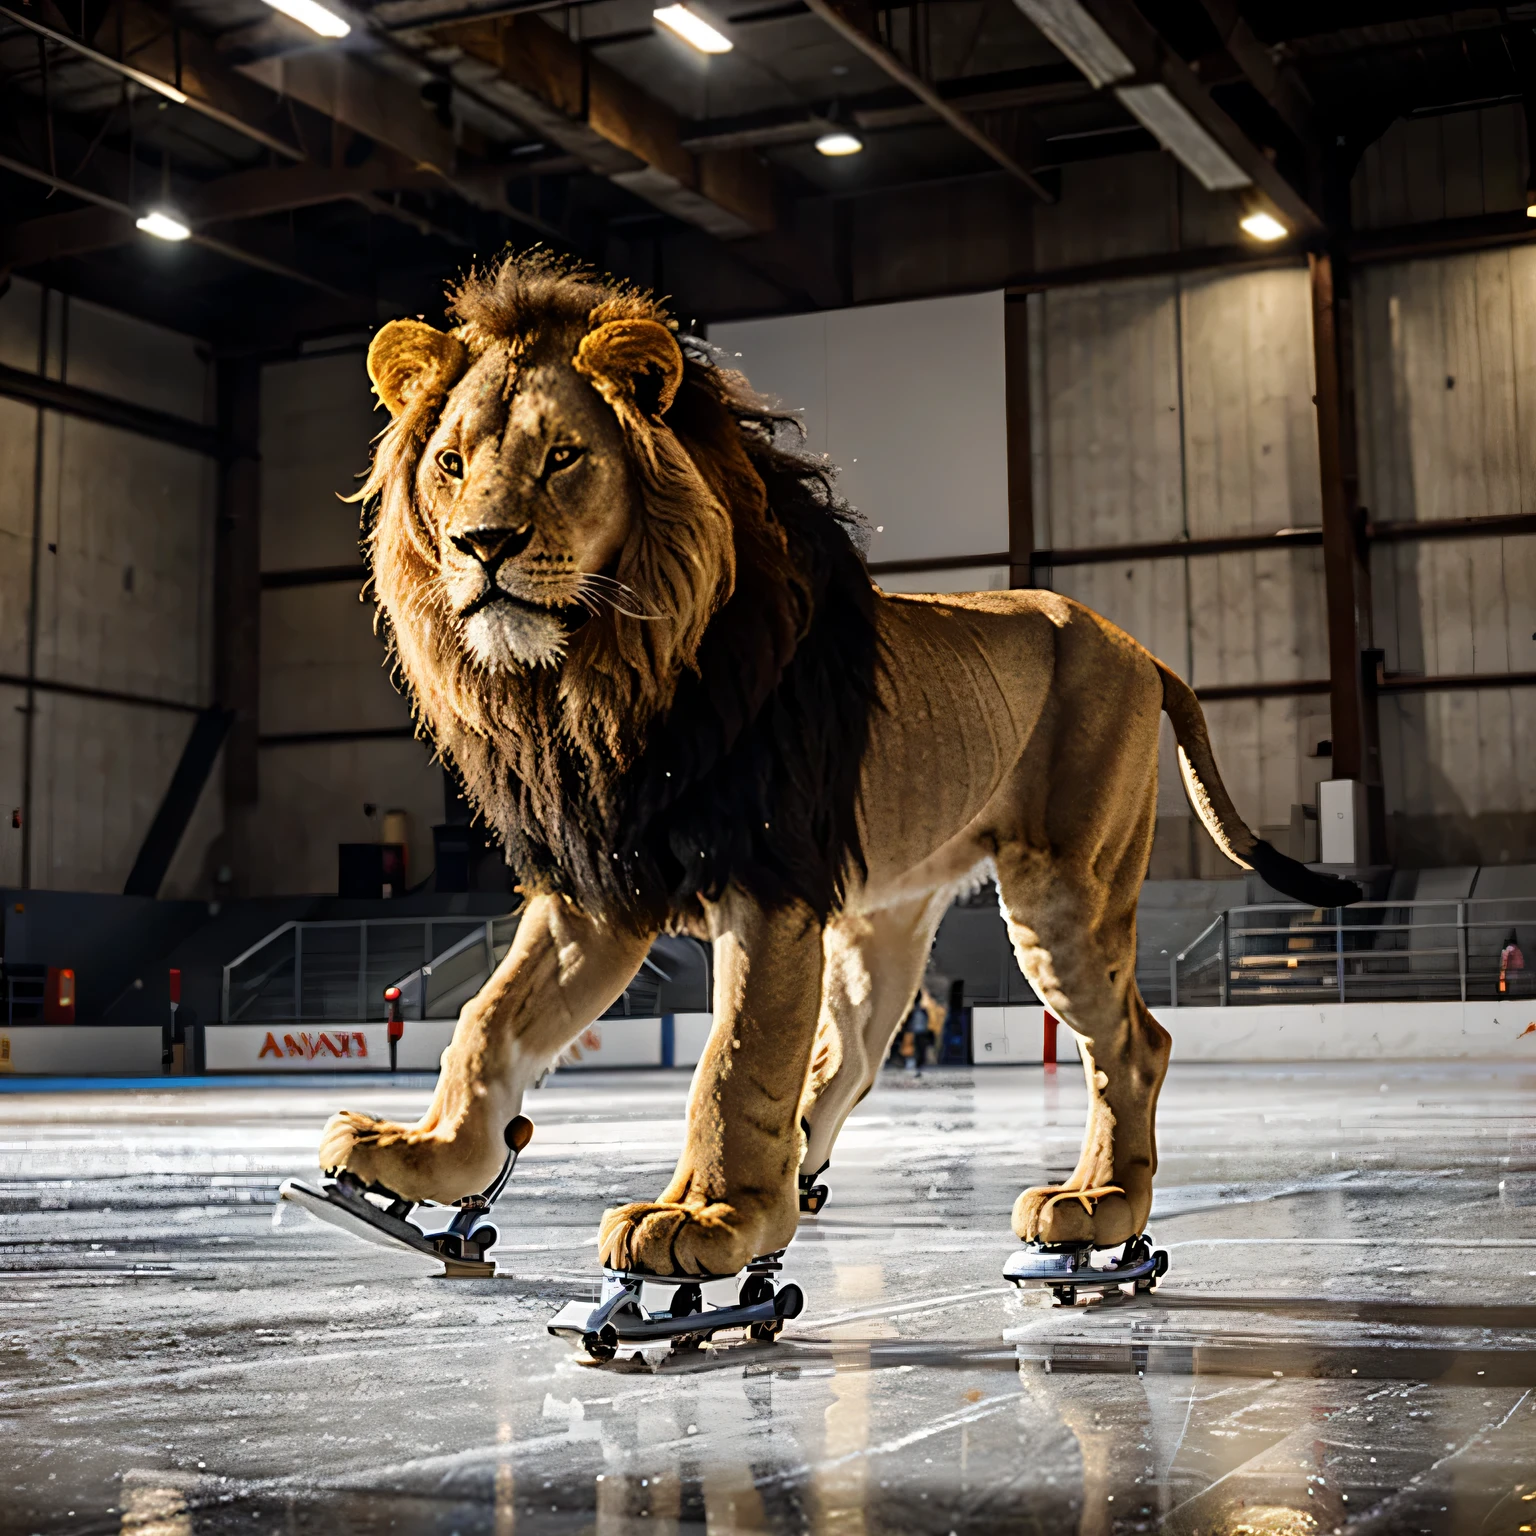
322 972
336 972
1374 951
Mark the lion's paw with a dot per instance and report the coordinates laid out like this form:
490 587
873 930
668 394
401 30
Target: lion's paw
666 1239
406 1160
1053 1214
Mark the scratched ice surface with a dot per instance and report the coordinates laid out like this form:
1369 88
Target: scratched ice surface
1346 1339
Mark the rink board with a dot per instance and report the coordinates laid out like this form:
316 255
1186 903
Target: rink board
365 1047
1013 1036
81 1050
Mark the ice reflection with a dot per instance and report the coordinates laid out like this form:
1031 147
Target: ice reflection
153 1510
840 1480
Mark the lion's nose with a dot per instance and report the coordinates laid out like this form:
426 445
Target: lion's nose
492 546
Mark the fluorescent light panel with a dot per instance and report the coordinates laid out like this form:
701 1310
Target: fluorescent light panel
1074 32
309 14
1176 128
693 30
1263 226
839 143
162 225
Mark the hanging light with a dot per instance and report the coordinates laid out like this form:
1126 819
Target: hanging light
162 225
839 142
693 30
1262 226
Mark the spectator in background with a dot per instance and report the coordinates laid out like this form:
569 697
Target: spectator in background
1511 967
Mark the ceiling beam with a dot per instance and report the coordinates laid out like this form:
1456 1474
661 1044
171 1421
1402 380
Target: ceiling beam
590 110
1279 83
249 250
1021 89
202 84
244 195
345 87
851 23
1116 46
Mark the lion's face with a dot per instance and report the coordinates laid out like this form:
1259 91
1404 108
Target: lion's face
530 501
536 463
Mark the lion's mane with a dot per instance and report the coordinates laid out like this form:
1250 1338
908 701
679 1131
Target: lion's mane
716 739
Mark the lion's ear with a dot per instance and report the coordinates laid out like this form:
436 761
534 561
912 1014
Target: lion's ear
634 362
409 360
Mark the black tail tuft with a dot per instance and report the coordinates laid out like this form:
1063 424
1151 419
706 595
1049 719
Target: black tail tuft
1296 880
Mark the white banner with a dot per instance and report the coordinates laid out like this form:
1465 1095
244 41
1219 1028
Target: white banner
323 1047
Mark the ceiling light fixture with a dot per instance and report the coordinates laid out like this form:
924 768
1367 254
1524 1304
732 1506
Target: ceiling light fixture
162 225
1182 134
693 30
838 143
1072 31
1262 226
314 16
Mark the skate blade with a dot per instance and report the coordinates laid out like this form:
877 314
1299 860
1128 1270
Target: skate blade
574 1322
356 1216
1042 1269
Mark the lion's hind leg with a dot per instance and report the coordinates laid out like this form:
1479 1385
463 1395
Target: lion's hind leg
1069 880
1082 964
873 966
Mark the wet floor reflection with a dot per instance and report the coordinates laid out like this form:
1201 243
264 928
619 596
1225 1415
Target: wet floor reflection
1347 1339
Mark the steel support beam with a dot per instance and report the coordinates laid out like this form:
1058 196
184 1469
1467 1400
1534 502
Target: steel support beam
237 577
845 20
235 249
1158 88
1276 81
1346 567
183 68
72 400
244 195
1021 470
550 83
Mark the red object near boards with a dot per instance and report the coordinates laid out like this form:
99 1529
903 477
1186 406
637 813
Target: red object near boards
175 985
59 996
392 1012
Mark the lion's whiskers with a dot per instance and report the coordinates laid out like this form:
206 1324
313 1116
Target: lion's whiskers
593 584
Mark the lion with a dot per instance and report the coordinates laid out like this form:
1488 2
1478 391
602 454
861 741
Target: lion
635 618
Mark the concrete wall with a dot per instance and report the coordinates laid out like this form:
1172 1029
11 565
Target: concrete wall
124 589
323 670
1452 166
1181 407
1446 363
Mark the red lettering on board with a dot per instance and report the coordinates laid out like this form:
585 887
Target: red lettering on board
269 1047
292 1046
362 1042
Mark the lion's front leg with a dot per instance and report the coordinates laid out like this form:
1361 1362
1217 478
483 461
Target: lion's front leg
562 971
734 1194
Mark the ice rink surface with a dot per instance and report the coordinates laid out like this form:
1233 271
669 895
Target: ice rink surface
1346 1338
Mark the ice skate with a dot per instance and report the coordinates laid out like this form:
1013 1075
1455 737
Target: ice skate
380 1216
637 1308
1067 1269
813 1196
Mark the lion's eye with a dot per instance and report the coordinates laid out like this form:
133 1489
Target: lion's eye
562 458
451 464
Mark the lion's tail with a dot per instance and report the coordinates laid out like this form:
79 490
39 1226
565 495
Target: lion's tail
1213 805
